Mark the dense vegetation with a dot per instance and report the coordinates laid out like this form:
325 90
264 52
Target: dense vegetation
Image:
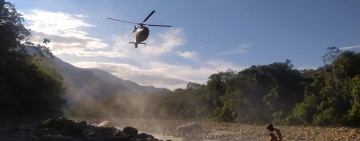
278 93
29 89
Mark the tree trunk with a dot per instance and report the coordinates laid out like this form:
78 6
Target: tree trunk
336 83
334 73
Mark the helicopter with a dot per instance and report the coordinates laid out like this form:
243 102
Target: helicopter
141 31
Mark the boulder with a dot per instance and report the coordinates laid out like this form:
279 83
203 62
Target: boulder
56 138
19 135
49 123
104 123
8 129
118 133
109 139
188 128
143 136
100 131
130 132
27 126
65 126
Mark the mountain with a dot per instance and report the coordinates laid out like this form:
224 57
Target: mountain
139 89
86 85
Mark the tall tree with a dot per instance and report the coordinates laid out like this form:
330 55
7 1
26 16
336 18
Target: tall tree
330 56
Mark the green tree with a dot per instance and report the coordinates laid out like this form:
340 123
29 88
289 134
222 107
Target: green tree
330 56
27 89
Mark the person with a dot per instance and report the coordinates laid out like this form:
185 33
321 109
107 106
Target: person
275 134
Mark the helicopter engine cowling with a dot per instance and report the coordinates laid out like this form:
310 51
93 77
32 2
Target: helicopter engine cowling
142 34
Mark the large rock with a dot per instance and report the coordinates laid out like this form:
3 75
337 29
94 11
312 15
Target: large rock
103 124
65 126
100 131
27 126
144 136
7 128
109 139
56 138
50 123
118 133
130 132
188 128
21 135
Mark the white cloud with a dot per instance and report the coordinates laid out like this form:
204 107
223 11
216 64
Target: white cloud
349 47
222 65
81 15
307 68
82 53
160 74
57 23
189 55
65 32
237 50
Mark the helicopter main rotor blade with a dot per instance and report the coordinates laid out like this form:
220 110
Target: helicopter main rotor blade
122 21
158 25
148 16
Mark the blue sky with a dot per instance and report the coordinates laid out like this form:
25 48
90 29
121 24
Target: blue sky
206 35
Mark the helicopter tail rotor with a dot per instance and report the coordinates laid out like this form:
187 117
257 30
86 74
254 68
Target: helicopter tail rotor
134 29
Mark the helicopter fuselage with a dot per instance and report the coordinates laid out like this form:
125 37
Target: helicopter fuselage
141 31
141 34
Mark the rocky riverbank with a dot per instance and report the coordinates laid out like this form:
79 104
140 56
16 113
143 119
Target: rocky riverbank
66 130
84 130
231 131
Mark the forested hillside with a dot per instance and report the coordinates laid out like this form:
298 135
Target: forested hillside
278 93
29 89
86 85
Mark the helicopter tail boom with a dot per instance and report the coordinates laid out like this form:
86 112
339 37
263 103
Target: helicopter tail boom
136 44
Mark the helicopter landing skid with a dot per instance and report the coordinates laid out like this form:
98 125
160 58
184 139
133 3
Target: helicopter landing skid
136 44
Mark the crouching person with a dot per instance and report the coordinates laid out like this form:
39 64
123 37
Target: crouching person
275 134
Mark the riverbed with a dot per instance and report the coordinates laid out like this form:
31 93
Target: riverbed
235 132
